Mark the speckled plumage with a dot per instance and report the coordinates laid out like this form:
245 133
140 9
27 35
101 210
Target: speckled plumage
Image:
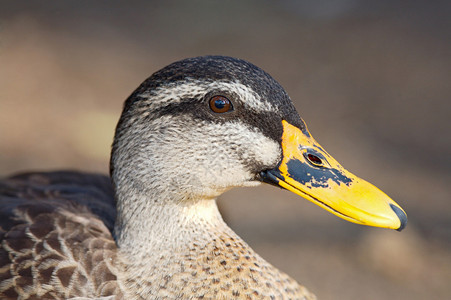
55 237
156 232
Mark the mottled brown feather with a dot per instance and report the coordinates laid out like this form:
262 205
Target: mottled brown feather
56 234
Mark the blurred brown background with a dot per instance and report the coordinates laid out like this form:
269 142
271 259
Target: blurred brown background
370 78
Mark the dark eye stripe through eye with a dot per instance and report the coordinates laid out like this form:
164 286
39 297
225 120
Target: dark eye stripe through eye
220 104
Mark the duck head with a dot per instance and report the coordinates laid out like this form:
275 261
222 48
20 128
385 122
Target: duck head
203 125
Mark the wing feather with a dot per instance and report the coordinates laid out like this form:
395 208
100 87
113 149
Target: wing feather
56 236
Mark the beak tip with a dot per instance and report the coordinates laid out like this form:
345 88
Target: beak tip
401 215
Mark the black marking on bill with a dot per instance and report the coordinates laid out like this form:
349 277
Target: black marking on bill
318 177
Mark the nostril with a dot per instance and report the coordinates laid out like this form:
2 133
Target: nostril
314 159
401 215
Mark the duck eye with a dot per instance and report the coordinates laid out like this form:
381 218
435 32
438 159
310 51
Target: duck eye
220 104
314 160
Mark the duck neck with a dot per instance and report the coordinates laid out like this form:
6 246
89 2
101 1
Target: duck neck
148 223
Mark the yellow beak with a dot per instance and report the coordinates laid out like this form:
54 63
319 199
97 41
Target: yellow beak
309 171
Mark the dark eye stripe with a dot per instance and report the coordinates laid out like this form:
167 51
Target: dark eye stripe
269 123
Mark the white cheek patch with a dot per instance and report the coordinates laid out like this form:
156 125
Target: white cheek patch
221 156
177 91
200 160
255 145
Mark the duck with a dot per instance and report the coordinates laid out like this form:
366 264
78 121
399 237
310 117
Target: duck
152 229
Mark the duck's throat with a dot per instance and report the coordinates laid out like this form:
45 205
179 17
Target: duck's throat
145 227
186 251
